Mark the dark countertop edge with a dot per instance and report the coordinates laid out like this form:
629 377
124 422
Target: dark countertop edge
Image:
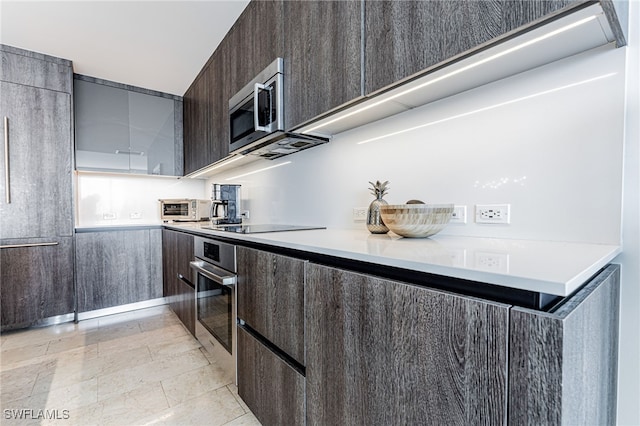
82 230
457 286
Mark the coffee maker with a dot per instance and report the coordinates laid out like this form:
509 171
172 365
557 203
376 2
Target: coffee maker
225 204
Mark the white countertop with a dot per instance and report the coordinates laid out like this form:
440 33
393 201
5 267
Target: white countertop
555 268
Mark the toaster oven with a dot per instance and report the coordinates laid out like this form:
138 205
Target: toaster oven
187 210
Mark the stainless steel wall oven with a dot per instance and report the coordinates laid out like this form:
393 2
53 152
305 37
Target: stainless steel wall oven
214 275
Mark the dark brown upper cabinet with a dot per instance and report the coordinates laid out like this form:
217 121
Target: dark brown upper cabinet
195 113
206 127
402 38
336 53
254 41
323 66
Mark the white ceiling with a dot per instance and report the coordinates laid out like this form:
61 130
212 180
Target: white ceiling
159 45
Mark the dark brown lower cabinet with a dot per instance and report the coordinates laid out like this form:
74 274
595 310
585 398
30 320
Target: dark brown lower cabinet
381 352
117 267
37 280
563 365
270 295
178 288
183 304
270 387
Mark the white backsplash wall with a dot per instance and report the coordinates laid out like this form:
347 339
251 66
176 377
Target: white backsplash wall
98 195
548 142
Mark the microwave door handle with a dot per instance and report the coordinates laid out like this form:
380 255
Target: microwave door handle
256 110
7 175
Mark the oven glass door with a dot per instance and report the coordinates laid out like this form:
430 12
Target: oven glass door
215 309
175 209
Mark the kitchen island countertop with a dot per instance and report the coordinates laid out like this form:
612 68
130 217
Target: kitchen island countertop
556 268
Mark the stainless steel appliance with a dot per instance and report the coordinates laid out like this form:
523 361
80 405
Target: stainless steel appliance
185 209
214 275
262 228
256 118
225 204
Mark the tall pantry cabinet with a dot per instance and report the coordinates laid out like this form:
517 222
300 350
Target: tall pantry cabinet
36 203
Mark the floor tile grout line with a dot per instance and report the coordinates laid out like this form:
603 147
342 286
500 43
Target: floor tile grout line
236 398
143 326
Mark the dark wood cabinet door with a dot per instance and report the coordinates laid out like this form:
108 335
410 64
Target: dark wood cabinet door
270 297
405 37
37 281
323 66
255 40
39 135
196 122
563 366
116 268
177 252
218 95
35 69
269 386
383 352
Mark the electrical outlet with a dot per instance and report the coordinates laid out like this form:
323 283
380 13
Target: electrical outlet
493 213
108 216
493 262
135 215
459 214
359 214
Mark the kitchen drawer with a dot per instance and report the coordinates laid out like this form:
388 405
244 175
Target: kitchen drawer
273 390
177 252
270 294
37 280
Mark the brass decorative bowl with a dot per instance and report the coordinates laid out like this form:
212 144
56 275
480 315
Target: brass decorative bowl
416 220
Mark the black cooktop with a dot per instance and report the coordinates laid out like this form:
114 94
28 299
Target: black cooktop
257 229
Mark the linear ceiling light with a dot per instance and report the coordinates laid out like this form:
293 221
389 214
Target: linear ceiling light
460 70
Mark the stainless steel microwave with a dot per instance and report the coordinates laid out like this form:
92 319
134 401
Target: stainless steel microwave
187 209
256 110
256 118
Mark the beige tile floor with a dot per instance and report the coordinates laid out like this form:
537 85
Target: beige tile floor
137 368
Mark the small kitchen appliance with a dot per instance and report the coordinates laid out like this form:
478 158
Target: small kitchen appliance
184 209
225 204
256 118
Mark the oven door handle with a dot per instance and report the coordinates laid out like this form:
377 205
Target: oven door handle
214 273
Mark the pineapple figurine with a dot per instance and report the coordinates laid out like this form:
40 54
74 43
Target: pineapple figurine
375 225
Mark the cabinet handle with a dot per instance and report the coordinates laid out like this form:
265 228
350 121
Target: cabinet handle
8 246
7 181
121 151
186 281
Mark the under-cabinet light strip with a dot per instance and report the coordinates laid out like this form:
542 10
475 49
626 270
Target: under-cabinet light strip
216 166
460 70
259 170
512 101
